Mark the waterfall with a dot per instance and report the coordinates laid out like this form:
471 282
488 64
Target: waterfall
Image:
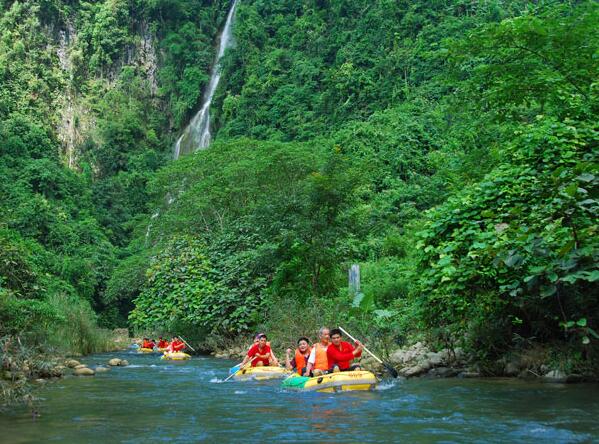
197 134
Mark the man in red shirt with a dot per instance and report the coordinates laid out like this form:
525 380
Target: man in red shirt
341 353
162 343
176 345
147 343
260 354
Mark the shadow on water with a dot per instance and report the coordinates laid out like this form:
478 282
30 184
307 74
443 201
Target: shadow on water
164 401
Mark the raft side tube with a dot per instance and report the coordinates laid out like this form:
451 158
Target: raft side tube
261 373
359 380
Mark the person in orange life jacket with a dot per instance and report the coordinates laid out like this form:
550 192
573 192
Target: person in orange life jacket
318 363
260 354
147 343
341 353
162 343
176 345
300 360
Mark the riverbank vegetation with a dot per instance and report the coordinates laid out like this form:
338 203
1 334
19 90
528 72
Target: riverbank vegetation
450 149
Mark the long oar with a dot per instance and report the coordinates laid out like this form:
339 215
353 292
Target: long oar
186 343
387 366
241 368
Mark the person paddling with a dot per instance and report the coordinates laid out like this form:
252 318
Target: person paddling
147 343
300 360
318 363
176 345
260 354
341 353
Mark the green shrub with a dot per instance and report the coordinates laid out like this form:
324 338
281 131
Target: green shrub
517 253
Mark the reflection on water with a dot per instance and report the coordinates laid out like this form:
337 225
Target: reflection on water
156 401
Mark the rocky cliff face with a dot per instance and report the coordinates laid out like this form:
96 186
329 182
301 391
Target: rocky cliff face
77 121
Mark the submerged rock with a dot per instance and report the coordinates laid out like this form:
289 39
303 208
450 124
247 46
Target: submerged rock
574 378
101 369
114 362
123 363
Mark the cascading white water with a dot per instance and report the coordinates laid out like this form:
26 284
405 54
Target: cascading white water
197 134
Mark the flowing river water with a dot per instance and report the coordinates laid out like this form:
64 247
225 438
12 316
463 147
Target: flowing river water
160 401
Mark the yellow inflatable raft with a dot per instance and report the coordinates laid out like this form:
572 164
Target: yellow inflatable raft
333 382
261 373
145 350
175 356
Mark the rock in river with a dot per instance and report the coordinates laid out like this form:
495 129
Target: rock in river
84 371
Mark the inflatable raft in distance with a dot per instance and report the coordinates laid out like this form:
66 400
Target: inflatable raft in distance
175 356
145 350
261 373
333 382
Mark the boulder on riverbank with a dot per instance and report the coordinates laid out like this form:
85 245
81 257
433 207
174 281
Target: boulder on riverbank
419 360
72 363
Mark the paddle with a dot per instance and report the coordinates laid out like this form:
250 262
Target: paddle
241 368
387 366
186 343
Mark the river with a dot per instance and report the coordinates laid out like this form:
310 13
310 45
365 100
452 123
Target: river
158 401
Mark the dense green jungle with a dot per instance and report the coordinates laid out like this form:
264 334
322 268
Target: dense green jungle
450 148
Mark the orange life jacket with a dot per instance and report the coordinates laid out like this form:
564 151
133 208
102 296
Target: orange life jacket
300 360
321 362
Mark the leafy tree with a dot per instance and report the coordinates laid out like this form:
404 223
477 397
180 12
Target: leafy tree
179 287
